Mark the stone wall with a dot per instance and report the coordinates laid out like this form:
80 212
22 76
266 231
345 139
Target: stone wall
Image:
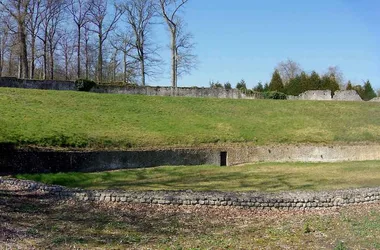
324 95
253 200
376 99
302 153
12 82
41 161
346 95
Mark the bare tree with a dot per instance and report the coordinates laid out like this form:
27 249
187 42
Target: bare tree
79 10
186 60
123 43
288 70
33 26
18 10
337 74
103 27
4 37
87 50
181 46
67 48
51 19
139 15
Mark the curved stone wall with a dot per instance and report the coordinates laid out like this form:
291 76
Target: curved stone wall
13 161
255 200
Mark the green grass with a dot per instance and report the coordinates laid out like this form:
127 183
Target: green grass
88 120
267 177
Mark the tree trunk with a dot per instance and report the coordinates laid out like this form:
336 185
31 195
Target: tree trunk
78 54
87 61
125 67
45 57
142 71
19 69
174 59
51 62
33 56
66 66
10 64
1 57
100 64
100 56
23 52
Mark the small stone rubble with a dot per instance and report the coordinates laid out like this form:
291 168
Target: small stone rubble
255 200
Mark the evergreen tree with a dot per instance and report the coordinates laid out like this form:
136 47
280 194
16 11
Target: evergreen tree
368 92
227 86
349 86
294 86
329 83
259 87
315 81
304 82
266 87
242 86
276 82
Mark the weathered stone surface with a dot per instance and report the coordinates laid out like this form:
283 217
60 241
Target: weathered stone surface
268 201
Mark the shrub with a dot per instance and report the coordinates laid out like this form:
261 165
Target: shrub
227 86
84 85
274 95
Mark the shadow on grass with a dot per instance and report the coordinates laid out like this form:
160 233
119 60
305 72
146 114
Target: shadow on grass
49 224
178 179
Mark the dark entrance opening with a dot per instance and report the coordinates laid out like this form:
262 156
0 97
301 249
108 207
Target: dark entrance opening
223 159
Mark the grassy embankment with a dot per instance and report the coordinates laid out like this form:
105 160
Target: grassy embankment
267 177
98 121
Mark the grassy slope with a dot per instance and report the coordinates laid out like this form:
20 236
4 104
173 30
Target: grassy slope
58 118
266 177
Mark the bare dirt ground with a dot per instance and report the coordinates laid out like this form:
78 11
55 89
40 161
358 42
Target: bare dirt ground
33 221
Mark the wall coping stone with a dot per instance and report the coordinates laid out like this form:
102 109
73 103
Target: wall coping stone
294 200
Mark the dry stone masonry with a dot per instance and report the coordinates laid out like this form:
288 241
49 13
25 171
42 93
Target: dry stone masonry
254 200
321 95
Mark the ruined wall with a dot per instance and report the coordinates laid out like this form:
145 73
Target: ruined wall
168 91
302 153
324 95
37 161
346 95
376 99
12 82
253 200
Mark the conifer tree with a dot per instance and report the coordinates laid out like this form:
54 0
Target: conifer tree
349 86
315 81
368 92
276 82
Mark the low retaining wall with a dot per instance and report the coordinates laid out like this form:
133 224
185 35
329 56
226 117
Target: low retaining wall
303 153
267 201
12 82
14 161
36 161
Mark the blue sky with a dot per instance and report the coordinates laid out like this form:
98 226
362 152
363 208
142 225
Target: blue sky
248 38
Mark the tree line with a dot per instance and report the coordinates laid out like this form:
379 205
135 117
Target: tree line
106 41
289 78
